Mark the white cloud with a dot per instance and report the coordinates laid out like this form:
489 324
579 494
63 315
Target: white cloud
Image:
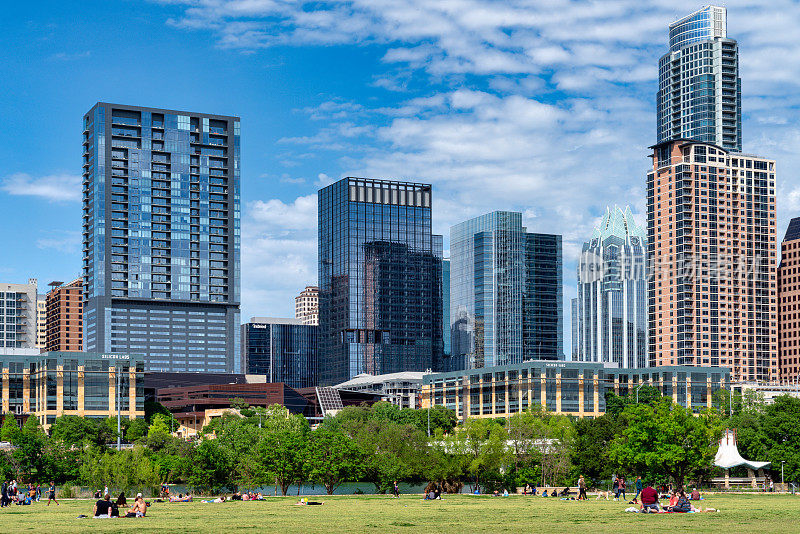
54 187
543 107
62 241
277 215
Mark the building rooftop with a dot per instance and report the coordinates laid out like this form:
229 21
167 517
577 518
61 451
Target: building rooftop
276 320
366 378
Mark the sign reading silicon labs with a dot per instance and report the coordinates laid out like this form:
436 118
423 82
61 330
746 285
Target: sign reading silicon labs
555 365
114 356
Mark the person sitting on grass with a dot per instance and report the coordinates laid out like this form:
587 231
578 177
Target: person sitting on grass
683 505
139 508
102 508
695 496
544 493
649 497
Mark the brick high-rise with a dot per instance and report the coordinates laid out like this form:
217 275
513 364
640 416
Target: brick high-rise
710 214
711 240
64 319
788 303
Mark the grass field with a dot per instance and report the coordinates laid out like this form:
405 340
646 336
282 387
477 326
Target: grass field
462 513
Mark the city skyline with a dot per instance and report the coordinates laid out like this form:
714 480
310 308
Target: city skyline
280 215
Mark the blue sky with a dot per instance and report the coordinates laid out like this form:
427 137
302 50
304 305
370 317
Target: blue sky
541 107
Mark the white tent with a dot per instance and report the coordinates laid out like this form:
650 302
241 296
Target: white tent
728 454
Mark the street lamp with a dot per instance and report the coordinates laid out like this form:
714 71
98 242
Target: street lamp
782 462
637 392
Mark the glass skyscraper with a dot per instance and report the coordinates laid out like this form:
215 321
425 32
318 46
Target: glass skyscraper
610 314
699 89
285 350
161 237
380 273
505 292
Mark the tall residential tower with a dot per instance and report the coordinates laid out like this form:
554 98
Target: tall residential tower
380 274
161 236
699 89
710 214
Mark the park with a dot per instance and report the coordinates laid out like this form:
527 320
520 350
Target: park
382 513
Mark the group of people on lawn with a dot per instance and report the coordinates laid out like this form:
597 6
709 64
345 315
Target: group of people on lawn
12 493
106 508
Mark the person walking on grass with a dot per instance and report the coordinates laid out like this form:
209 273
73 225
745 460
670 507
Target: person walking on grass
638 488
396 490
581 489
51 493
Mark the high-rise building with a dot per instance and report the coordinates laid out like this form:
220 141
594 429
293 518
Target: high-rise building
710 214
699 89
543 300
446 306
611 312
505 292
18 315
788 298
306 306
574 327
161 236
65 317
284 350
711 243
41 322
380 279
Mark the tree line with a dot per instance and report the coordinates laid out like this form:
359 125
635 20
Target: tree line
650 437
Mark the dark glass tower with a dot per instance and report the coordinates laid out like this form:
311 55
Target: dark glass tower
161 237
380 273
505 292
285 350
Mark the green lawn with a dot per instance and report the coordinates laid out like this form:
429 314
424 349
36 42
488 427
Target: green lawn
462 513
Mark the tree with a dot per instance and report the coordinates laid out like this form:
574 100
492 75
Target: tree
10 428
283 454
665 440
593 439
135 429
332 458
159 425
211 466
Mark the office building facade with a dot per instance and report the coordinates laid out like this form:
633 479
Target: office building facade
284 350
306 306
18 315
64 317
51 384
505 292
611 308
161 236
571 388
380 279
711 238
699 89
788 303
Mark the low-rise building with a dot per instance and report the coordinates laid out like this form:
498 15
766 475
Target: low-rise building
402 389
571 388
283 350
50 384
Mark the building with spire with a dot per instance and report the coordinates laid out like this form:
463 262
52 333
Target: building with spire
610 312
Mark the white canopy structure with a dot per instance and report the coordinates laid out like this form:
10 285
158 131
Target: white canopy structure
728 454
